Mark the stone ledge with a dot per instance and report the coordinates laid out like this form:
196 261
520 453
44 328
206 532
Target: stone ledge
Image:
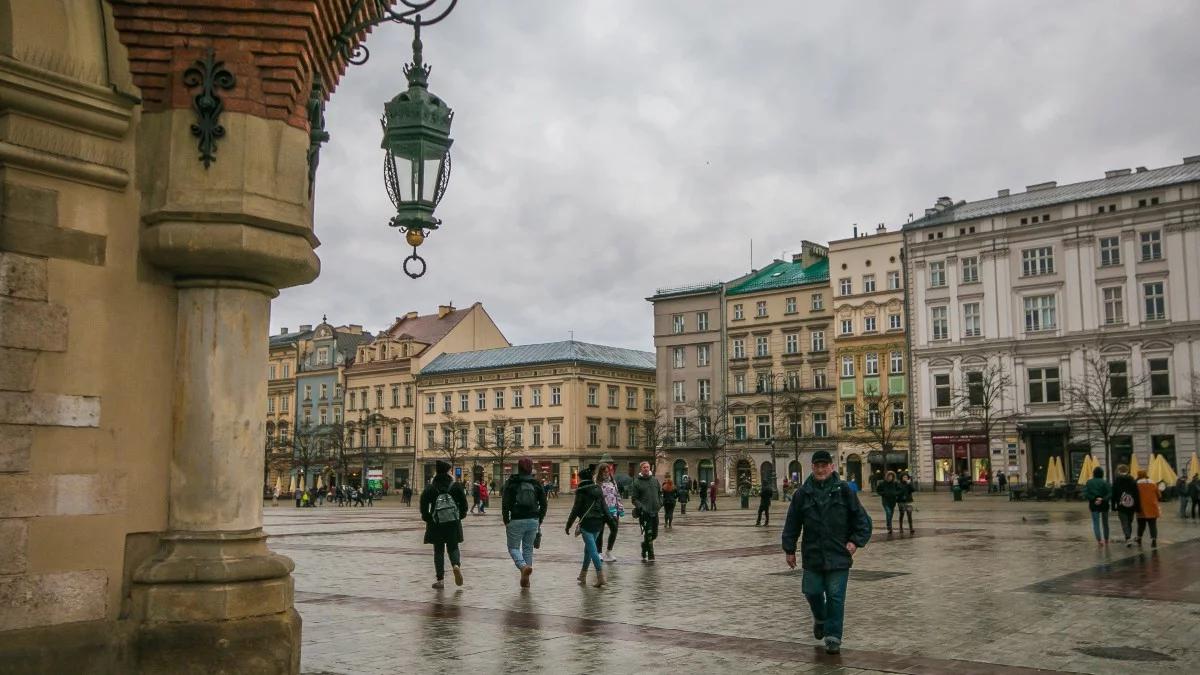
27 601
31 495
31 324
49 410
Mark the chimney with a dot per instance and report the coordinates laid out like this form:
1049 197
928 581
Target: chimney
443 310
943 202
1117 173
856 230
881 229
1194 159
411 315
1141 169
1041 186
1002 193
356 329
305 327
811 253
283 331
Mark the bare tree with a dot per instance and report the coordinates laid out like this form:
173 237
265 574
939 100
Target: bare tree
307 449
792 403
710 422
501 443
658 431
878 432
452 446
1104 395
979 403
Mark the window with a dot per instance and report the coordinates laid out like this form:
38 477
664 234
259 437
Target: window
764 426
873 416
632 440
680 429
703 426
972 321
819 378
613 393
847 366
847 327
795 425
702 355
430 404
974 382
1043 385
970 270
631 398
1118 379
765 383
894 322
868 283
760 308
324 417
270 405
518 398
379 397
556 395
941 391
518 436
848 416
739 427
1114 305
897 413
429 439
324 392
445 403
939 323
378 437
395 396
481 400
704 390
737 312
271 371
536 394
555 434
871 364
1160 377
869 324
844 287
499 395
701 320
284 402
1155 301
789 305
593 433
1153 201
818 340
535 433
407 436
677 356
408 396
937 274
677 323
820 425
818 301
896 363
739 383
1110 251
464 402
613 430
791 343
678 394
793 381
1037 261
1039 313
1151 245
350 401
593 395
739 348
648 402
893 281
287 370
322 356
761 346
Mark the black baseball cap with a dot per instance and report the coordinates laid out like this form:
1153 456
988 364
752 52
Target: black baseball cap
822 456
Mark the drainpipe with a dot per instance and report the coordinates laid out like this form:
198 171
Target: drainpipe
912 361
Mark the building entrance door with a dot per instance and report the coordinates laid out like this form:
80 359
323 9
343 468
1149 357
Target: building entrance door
1043 446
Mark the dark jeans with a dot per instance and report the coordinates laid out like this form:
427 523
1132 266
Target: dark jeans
439 558
1152 522
1100 518
826 595
703 504
612 533
1126 518
668 513
888 509
683 508
764 509
649 523
1196 508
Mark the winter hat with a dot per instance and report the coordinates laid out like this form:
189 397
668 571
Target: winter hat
525 465
442 466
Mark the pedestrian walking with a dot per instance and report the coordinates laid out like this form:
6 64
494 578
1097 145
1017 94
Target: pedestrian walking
299 495
474 496
358 498
275 496
614 507
1194 493
1097 492
1181 492
683 495
443 506
523 508
712 495
646 494
888 490
669 497
407 493
832 525
1001 481
591 513
703 495
1125 501
904 501
1148 509
484 495
764 505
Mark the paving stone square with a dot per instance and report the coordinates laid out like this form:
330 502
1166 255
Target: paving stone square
984 586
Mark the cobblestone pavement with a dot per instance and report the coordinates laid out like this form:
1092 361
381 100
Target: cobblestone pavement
985 586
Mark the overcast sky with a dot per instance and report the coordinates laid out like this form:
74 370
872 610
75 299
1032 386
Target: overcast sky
606 148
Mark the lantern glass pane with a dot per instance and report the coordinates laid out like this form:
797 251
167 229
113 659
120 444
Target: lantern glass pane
430 179
404 177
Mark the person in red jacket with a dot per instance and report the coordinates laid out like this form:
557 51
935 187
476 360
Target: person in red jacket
1148 509
712 495
483 497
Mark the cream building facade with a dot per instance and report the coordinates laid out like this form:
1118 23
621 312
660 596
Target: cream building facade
564 404
1036 285
870 353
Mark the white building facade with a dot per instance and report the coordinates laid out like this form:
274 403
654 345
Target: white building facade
1027 289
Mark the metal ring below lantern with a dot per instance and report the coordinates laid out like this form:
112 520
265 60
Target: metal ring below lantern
414 256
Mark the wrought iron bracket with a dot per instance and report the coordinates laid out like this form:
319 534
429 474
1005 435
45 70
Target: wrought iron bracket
416 259
210 75
316 128
359 20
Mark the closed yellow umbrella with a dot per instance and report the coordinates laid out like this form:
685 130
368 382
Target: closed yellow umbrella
1165 473
1085 471
278 486
1152 469
1193 466
292 485
320 483
1133 466
1052 473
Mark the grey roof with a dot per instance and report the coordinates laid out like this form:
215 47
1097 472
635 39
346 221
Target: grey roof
289 338
1131 182
550 352
691 289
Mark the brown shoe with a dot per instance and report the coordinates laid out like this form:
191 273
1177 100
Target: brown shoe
583 577
599 579
439 584
526 571
457 576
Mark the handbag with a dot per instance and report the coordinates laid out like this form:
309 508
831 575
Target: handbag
579 525
537 538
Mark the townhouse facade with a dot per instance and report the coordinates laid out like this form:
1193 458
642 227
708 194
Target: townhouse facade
564 404
1018 301
870 353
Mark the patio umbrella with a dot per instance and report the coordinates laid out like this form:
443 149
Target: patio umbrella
1133 466
1052 479
320 483
1060 474
1153 470
292 485
1085 471
1193 467
1165 473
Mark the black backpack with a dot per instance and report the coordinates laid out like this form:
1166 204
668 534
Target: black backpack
526 497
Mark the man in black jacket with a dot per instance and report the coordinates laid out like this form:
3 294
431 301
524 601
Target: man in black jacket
764 504
834 526
523 508
646 494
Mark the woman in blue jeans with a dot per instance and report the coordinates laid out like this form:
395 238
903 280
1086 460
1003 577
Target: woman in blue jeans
590 509
1097 492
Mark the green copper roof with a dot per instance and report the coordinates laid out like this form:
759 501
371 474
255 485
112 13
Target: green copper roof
781 274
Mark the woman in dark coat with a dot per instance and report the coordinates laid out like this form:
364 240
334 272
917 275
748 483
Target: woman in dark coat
447 534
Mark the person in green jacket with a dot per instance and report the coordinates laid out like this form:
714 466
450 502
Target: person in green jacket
888 490
1098 492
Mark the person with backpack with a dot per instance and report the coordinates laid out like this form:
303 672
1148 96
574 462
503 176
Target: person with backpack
765 495
904 501
669 495
684 494
443 506
1125 501
591 513
523 508
832 525
474 496
1148 509
1097 492
703 495
888 490
612 503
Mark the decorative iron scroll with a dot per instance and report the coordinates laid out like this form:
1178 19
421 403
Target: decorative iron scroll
210 75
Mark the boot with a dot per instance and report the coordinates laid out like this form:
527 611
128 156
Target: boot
599 578
458 578
525 573
583 577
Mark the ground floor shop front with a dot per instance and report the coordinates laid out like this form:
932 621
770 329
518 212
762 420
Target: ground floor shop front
558 471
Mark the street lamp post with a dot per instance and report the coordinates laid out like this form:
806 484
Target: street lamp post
364 423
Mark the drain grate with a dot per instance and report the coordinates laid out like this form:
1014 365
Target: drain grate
1124 654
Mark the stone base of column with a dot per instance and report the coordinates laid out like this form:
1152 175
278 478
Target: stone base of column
212 602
